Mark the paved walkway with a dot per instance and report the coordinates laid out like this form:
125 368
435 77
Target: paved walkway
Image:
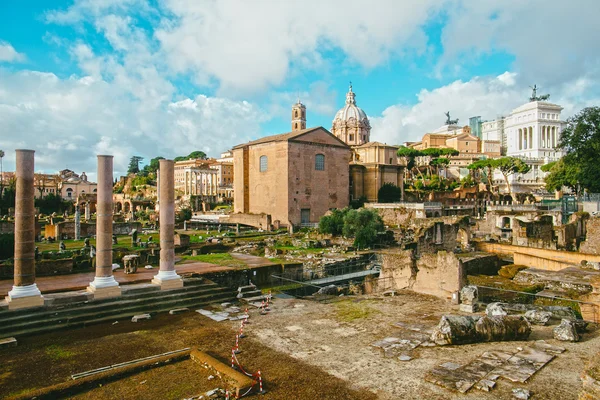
64 283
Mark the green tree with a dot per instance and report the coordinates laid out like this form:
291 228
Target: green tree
363 225
334 222
561 174
183 215
134 164
152 167
480 166
509 166
194 155
581 140
389 193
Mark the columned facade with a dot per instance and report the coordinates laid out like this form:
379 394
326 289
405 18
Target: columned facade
25 292
201 182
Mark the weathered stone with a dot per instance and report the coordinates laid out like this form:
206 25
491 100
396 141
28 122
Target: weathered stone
495 309
566 331
537 317
454 329
8 342
558 312
462 330
404 357
328 290
469 295
140 317
470 308
520 393
502 328
178 311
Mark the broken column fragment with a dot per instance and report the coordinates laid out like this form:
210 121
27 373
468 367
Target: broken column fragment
468 299
566 331
454 329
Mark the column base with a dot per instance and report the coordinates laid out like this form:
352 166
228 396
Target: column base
104 287
168 280
24 297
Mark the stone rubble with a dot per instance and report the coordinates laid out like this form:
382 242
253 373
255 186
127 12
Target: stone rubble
566 331
538 317
483 372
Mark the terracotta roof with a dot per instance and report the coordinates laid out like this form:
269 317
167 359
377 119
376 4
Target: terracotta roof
284 137
373 144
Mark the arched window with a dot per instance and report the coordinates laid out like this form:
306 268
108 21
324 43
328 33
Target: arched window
296 114
263 163
296 125
320 162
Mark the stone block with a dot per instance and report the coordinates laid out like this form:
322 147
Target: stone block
168 284
178 311
470 308
8 342
140 317
104 292
24 302
566 331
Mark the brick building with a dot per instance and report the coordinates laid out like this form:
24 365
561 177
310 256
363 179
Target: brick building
295 177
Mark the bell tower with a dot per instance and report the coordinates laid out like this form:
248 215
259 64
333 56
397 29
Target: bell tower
298 116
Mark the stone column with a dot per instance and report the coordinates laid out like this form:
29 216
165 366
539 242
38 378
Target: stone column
25 292
167 278
104 284
77 222
87 211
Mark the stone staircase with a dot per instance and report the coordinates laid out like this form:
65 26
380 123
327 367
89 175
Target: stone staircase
76 311
250 294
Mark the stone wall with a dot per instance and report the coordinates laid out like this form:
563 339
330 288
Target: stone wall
7 227
260 221
440 274
42 268
538 257
538 233
398 216
592 237
67 228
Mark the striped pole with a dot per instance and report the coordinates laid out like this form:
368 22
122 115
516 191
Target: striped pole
232 358
260 386
237 345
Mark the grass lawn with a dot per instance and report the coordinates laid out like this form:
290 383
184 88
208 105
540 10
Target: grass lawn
224 259
122 240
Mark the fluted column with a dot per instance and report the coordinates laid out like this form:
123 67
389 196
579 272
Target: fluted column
167 278
25 292
104 284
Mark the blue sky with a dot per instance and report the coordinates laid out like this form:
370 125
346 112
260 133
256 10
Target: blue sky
132 77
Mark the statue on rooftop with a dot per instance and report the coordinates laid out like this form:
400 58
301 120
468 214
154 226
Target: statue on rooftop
535 97
450 121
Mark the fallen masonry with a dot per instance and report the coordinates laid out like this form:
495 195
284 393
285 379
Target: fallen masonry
457 329
483 372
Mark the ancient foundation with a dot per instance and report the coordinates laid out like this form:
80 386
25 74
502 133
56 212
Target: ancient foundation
104 284
25 292
167 278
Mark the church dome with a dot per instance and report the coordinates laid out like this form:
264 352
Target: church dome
351 110
351 123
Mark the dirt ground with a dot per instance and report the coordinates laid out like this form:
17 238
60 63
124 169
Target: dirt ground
337 338
305 350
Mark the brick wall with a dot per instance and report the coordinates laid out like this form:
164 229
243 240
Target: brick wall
591 245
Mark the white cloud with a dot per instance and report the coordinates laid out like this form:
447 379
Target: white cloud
553 41
9 54
69 121
252 45
487 97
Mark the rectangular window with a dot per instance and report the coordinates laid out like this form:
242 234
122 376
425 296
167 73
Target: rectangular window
305 216
320 162
263 163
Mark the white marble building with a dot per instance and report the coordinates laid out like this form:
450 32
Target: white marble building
533 131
